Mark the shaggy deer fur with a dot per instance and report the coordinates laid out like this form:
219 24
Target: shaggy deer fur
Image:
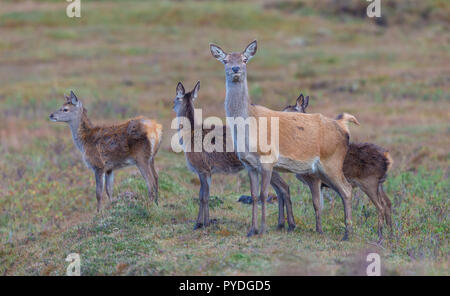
107 148
205 164
365 166
309 143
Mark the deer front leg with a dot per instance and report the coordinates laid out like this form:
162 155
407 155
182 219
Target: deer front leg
199 222
253 175
205 200
109 184
99 188
266 175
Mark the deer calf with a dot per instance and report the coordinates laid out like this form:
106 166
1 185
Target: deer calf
205 163
107 148
365 166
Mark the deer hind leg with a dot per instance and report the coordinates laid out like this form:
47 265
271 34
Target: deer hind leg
387 206
99 188
282 190
144 168
314 184
109 184
334 177
370 187
155 179
253 176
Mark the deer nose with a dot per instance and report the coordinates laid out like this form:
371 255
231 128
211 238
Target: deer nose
235 69
51 116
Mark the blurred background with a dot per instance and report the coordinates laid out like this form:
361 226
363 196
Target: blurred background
124 58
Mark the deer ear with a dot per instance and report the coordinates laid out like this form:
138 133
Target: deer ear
250 50
217 52
74 100
305 103
180 90
195 90
299 102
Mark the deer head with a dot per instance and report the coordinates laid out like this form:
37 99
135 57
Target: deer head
184 102
235 62
71 110
300 105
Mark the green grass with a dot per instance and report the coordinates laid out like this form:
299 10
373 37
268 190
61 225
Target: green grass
124 58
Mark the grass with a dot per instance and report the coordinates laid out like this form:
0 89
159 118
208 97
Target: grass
124 58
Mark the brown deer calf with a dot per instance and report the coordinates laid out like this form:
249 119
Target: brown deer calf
107 148
365 166
205 163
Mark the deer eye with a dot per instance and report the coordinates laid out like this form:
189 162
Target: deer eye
66 110
245 60
225 62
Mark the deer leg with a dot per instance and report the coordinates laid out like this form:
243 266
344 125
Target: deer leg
144 168
253 175
205 200
155 179
281 201
317 199
282 189
109 183
99 188
371 190
336 180
387 207
199 222
266 175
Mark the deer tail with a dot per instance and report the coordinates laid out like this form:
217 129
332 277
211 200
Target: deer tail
344 118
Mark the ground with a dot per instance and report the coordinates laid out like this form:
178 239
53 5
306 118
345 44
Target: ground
124 58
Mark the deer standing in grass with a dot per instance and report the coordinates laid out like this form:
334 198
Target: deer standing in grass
107 148
206 163
309 143
365 166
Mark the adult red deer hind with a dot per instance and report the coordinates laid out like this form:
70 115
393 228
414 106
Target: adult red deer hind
107 148
308 143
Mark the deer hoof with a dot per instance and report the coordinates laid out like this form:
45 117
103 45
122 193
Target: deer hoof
280 227
291 228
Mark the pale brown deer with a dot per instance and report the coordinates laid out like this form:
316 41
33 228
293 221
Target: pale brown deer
309 143
107 148
205 163
365 166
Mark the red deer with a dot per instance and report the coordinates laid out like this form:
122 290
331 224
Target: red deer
205 163
309 143
107 148
365 166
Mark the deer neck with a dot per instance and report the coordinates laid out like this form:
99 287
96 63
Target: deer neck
80 127
237 99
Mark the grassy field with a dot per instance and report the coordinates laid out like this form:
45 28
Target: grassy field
124 58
